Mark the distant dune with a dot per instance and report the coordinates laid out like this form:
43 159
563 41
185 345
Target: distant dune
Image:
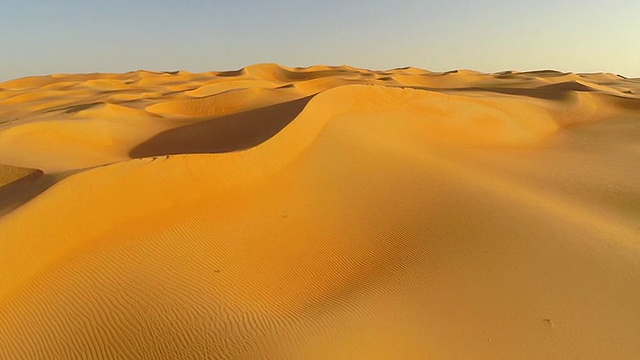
320 213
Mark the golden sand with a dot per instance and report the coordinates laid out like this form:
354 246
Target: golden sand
320 213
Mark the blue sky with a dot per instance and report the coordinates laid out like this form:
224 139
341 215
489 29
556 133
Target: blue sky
68 36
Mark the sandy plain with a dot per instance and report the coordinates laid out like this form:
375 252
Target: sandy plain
320 213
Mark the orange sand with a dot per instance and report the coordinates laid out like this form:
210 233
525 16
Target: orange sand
320 213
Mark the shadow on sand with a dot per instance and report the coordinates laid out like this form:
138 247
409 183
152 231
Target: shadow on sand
15 194
225 134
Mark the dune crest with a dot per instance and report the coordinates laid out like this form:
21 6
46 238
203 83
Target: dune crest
326 212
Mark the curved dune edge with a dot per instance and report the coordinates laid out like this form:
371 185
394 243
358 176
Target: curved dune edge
374 221
227 102
441 118
9 174
20 185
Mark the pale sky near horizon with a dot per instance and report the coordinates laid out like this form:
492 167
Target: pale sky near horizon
71 36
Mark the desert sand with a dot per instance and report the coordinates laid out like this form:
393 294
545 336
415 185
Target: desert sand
320 213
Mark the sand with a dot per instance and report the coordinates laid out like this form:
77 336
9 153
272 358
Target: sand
320 213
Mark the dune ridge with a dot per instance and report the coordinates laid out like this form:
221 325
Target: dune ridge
321 212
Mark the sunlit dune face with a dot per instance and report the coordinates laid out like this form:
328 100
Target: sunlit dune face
320 213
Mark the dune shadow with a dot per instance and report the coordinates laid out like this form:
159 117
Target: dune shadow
78 108
231 73
16 193
544 92
538 93
626 103
71 109
225 134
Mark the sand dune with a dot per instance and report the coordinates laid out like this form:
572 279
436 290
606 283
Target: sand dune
320 213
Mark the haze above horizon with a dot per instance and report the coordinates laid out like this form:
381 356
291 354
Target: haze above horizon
73 36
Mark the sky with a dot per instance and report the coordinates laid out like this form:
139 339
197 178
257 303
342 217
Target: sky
82 36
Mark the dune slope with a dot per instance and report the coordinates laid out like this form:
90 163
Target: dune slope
326 212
